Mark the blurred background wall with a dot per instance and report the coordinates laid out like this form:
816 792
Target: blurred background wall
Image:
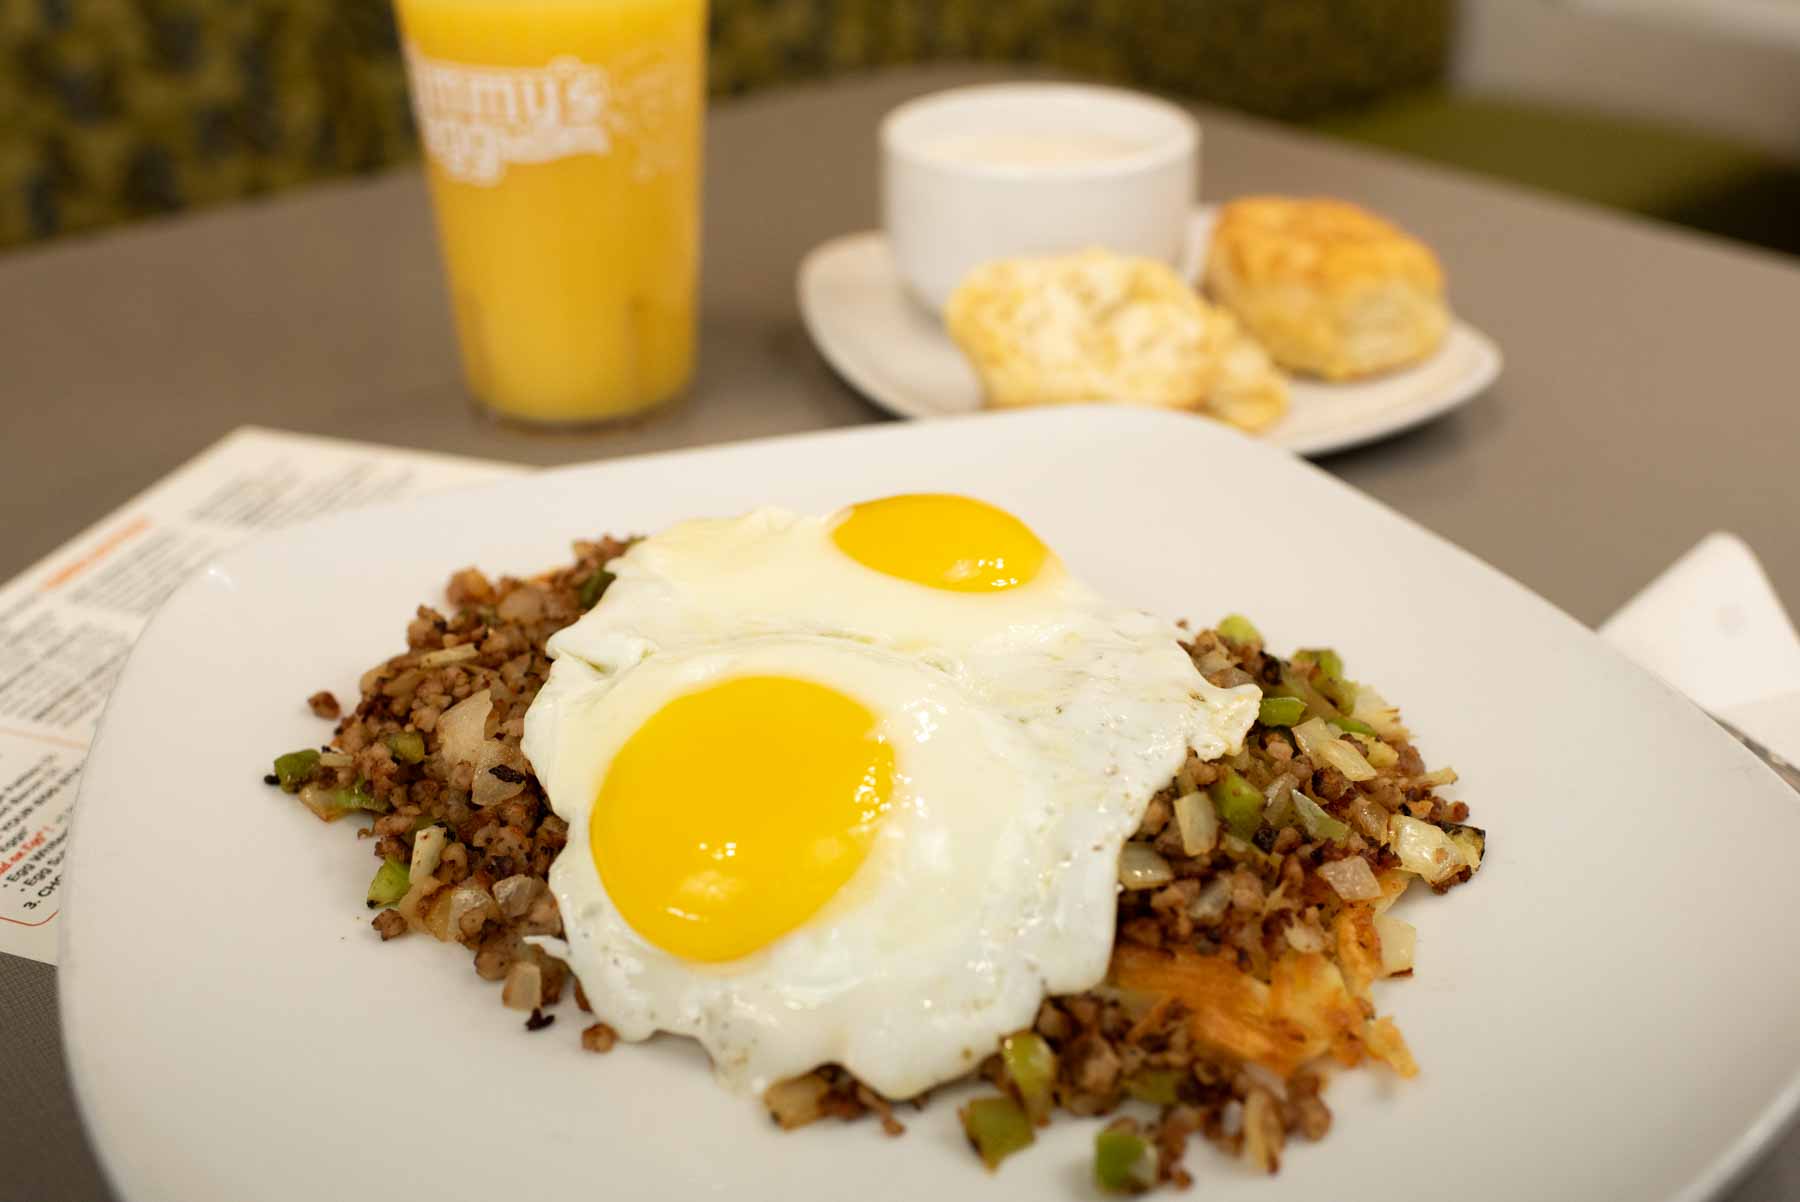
115 110
1670 61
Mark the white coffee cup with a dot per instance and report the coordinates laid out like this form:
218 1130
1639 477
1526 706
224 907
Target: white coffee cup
1002 170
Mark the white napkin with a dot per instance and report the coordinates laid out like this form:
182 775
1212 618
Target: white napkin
1712 626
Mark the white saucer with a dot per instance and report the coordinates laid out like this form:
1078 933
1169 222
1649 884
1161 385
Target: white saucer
895 353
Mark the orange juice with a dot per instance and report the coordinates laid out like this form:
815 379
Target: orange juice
562 143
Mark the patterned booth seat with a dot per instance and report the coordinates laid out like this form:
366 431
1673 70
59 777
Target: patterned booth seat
112 110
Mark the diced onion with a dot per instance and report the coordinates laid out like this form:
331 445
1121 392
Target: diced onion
1424 848
445 656
524 988
1373 708
1140 867
1264 1132
1198 823
422 888
1213 901
1322 745
1347 760
1470 844
1184 777
1263 1077
436 914
427 850
1280 811
1384 1042
1278 808
403 685
796 1101
514 894
1431 780
1367 816
1397 940
462 729
470 906
1381 756
521 605
489 789
1212 662
1313 734
1394 882
334 759
1304 938
322 802
1352 877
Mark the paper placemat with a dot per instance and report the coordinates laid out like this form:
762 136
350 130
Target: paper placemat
67 622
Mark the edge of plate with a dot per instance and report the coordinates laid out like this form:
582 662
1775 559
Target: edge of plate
1490 361
1719 1174
805 289
1488 364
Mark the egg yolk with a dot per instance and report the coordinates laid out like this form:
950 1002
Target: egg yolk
736 811
943 541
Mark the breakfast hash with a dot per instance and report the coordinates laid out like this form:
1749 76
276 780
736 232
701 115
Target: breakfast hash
1245 912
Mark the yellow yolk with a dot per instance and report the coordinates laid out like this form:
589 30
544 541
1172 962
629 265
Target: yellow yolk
736 811
942 541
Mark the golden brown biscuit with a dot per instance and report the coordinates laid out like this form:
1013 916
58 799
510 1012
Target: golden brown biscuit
1328 288
1101 327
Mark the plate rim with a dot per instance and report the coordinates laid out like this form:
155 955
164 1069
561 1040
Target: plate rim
1488 364
1728 1164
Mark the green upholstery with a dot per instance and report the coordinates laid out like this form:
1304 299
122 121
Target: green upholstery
1612 161
1282 58
116 109
122 108
1692 178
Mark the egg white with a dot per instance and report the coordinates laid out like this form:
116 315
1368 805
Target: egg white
1030 729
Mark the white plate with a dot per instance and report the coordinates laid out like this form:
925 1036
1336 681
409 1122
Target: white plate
890 349
1608 1011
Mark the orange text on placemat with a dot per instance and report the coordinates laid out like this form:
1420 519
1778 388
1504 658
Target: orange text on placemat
101 550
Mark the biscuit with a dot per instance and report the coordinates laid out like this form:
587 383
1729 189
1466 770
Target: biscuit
1101 327
1248 391
1328 288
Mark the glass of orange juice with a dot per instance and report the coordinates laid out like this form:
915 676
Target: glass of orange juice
562 144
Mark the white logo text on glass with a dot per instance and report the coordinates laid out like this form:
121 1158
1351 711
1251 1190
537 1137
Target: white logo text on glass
475 121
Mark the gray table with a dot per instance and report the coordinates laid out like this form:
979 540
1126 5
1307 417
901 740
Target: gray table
1647 398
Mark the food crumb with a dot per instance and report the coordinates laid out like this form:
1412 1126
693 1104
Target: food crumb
599 1038
470 587
539 1020
324 705
388 924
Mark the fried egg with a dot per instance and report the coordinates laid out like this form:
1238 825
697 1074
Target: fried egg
851 788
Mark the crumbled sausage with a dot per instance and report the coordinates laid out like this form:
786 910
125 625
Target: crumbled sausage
1250 906
1093 1065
